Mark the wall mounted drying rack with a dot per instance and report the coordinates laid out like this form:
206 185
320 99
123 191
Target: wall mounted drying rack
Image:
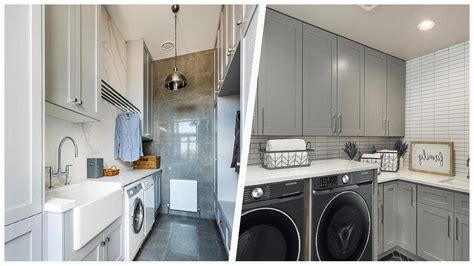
112 96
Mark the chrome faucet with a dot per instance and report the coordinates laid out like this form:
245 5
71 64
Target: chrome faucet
65 173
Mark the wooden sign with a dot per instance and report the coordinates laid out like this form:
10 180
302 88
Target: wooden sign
432 157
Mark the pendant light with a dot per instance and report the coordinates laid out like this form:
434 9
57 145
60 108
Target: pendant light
177 79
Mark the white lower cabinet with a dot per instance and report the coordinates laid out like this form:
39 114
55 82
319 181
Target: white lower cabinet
106 246
23 240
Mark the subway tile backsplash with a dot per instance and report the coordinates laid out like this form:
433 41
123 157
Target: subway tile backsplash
437 101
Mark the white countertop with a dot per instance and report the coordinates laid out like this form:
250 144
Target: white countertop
127 176
257 175
459 184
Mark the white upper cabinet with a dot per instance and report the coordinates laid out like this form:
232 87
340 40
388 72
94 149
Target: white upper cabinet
140 84
71 58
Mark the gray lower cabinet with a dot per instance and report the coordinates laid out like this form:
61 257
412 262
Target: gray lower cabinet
279 83
375 92
319 81
389 214
434 233
395 115
461 240
350 88
407 216
23 240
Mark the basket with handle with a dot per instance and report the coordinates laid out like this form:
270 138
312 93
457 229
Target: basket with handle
147 162
272 160
111 171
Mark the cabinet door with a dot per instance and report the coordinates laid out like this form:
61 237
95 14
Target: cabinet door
60 41
350 87
96 253
461 242
280 87
23 238
389 216
113 243
238 23
319 81
434 233
395 96
88 91
375 89
407 216
23 112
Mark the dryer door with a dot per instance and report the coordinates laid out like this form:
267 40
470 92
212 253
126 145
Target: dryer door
343 231
268 234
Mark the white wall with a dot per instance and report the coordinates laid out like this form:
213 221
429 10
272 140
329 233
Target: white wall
94 139
437 101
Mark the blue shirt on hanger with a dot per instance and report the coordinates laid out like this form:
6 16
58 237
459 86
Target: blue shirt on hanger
128 137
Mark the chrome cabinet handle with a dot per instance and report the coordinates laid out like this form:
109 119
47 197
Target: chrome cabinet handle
102 243
457 228
340 123
263 120
333 123
75 101
413 196
240 22
383 126
107 239
449 226
388 127
381 217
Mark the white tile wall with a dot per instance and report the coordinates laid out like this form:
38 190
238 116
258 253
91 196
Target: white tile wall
437 101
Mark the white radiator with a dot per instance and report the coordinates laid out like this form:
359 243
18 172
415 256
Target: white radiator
183 195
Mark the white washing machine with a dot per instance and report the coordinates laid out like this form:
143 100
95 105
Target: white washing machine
149 201
134 219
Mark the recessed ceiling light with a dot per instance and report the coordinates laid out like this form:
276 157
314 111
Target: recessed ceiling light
368 8
426 25
167 46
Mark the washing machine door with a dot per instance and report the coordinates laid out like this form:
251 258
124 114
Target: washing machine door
138 215
343 230
268 234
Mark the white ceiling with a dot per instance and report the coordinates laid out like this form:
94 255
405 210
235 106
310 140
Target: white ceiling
389 28
197 26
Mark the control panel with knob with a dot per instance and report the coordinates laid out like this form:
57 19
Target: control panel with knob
257 193
345 179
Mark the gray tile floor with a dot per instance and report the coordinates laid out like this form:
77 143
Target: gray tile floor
180 238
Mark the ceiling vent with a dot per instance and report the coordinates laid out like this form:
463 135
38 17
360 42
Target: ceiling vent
368 8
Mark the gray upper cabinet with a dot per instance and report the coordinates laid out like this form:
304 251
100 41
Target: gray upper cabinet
389 213
72 76
395 97
319 81
434 233
350 88
24 137
461 238
375 92
279 84
407 216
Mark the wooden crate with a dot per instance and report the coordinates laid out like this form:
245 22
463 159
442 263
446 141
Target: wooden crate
147 162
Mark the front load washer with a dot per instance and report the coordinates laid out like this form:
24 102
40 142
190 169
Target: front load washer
134 220
271 224
341 217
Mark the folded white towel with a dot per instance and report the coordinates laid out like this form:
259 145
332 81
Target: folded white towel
285 144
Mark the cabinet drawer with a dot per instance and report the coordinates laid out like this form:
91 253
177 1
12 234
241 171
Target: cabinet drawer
436 197
461 203
380 192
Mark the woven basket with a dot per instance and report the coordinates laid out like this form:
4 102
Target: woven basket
147 162
111 171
